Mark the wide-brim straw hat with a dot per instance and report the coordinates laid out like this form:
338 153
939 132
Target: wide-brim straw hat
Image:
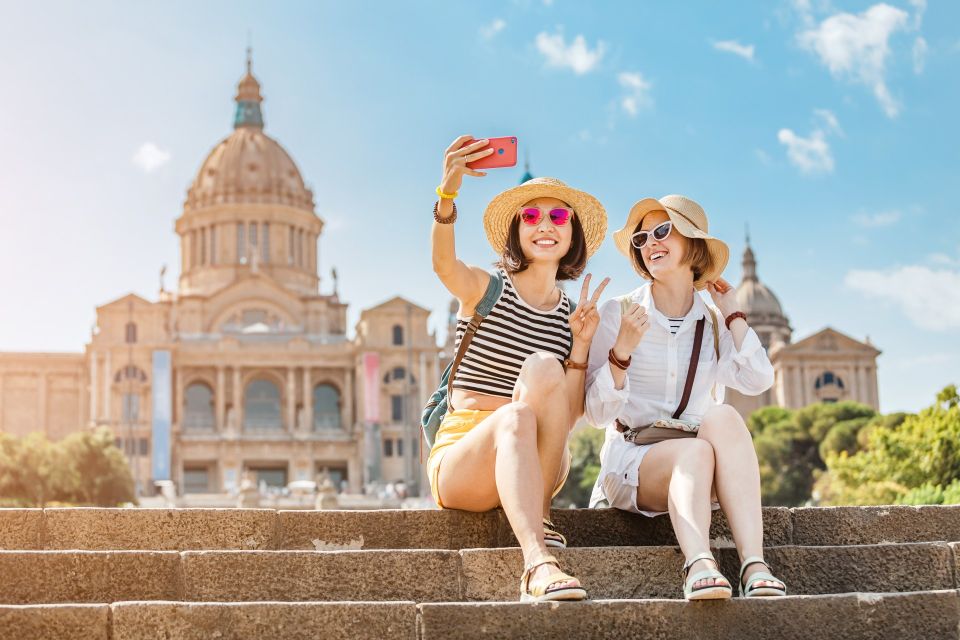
504 208
689 219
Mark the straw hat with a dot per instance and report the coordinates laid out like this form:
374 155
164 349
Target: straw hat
689 219
504 208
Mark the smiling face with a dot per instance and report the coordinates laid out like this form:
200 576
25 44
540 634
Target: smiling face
562 245
545 241
661 256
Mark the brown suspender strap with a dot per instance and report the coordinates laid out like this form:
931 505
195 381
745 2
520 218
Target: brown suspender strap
468 334
692 370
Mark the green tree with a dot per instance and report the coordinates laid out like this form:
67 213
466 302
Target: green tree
31 470
98 472
914 460
585 445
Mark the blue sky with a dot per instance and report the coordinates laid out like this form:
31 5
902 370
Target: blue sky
831 128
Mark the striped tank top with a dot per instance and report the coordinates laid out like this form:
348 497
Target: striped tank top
511 332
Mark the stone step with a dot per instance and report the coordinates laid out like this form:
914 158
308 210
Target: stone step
893 616
896 616
441 575
187 529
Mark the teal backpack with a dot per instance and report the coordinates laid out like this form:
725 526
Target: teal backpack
439 403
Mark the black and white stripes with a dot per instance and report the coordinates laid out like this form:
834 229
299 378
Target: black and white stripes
511 332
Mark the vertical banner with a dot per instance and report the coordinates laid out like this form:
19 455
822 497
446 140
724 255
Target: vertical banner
371 387
371 416
162 415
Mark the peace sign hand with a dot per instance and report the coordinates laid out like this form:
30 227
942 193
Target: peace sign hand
585 319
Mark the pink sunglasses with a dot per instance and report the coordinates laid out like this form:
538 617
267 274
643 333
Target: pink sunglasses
559 216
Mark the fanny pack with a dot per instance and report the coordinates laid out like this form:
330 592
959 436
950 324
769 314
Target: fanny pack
673 427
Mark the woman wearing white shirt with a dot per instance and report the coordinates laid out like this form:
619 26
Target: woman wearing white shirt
637 374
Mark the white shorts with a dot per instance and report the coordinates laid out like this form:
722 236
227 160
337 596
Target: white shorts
620 489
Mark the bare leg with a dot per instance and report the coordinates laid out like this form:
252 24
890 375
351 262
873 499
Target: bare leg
541 385
737 480
498 463
677 476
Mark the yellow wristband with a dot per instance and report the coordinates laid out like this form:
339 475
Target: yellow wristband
447 196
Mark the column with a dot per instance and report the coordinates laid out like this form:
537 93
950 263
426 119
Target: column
221 396
291 400
307 401
347 400
107 381
178 376
237 402
42 404
94 410
863 386
799 384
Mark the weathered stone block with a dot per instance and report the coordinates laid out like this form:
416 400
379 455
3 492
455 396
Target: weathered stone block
874 525
421 576
54 621
21 528
264 620
160 529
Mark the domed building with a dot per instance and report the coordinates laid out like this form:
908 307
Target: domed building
245 371
828 366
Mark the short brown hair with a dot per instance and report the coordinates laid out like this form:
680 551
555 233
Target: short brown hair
571 265
697 255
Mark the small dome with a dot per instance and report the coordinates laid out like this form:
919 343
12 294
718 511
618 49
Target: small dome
756 299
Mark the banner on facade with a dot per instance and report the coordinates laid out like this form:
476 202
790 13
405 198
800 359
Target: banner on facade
371 387
162 406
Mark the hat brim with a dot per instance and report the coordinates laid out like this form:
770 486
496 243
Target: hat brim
503 209
718 249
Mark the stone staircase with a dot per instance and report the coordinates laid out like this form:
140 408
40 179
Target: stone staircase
854 572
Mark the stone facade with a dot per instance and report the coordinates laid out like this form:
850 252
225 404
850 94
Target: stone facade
264 379
827 366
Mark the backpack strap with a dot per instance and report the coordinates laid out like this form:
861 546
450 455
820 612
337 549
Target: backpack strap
692 369
490 297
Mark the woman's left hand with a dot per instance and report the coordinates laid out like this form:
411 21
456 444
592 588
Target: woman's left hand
585 319
724 296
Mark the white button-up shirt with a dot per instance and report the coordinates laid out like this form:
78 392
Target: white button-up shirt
655 380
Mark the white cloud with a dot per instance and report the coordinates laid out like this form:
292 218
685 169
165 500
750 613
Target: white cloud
872 220
856 47
150 157
637 92
577 56
926 296
489 31
920 49
920 7
763 157
810 155
833 125
745 51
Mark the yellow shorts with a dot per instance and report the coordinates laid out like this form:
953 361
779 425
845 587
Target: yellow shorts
455 425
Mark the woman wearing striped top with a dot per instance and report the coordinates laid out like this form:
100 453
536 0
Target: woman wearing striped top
519 388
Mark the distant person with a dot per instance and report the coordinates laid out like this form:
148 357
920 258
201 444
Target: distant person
518 390
670 446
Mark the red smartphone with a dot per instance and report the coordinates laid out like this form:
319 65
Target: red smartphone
504 154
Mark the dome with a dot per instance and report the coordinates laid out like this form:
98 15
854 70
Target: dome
754 297
248 166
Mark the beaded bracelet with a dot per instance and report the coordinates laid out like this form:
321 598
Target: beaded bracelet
733 316
436 213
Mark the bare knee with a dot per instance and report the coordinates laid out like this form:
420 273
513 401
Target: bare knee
696 456
517 422
722 420
542 369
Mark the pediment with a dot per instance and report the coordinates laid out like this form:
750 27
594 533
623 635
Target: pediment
830 341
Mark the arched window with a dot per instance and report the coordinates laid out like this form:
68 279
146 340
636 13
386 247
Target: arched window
326 407
130 372
829 378
399 373
198 407
397 334
261 406
829 387
131 336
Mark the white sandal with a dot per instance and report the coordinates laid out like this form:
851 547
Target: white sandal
707 592
749 591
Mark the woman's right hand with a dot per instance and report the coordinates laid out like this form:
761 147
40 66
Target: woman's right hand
633 324
455 161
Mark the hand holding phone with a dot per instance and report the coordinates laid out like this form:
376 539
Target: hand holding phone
504 154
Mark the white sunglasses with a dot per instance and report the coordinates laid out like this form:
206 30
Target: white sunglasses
659 233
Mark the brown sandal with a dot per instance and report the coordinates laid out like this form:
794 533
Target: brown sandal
541 591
